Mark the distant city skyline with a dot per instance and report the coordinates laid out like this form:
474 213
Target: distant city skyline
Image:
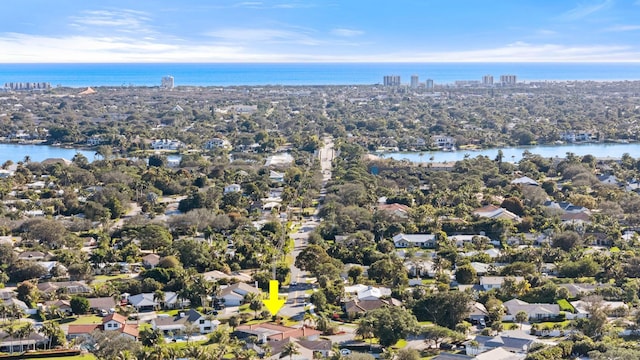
43 31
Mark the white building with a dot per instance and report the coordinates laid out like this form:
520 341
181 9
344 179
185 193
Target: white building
166 144
216 143
167 82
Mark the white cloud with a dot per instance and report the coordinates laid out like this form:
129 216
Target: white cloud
346 32
126 21
584 10
622 28
263 35
19 48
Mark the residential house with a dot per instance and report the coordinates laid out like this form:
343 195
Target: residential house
233 295
612 308
276 176
510 344
524 180
482 269
10 302
150 302
419 240
366 292
399 210
307 349
367 300
495 282
62 305
493 253
150 261
268 332
16 344
216 275
217 143
178 323
69 287
166 144
461 240
535 311
608 179
443 142
581 289
111 322
496 212
232 188
101 304
420 268
33 255
95 140
478 312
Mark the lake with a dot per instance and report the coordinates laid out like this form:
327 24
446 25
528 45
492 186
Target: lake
17 152
514 154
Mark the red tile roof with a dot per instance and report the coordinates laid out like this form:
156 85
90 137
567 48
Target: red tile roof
115 317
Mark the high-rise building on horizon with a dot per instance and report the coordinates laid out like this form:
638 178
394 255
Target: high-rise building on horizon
167 82
487 80
429 84
391 80
415 81
508 79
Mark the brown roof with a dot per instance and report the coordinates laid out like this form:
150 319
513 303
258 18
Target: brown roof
393 207
115 317
131 329
105 303
83 329
151 259
280 332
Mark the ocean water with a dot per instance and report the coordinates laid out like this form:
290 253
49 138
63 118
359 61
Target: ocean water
209 74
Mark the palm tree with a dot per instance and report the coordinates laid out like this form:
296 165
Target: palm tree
194 352
26 331
290 349
173 353
49 329
308 316
159 297
521 317
12 332
125 355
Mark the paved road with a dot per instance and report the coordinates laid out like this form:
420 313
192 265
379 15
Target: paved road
295 305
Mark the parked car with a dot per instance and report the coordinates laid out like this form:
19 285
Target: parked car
481 324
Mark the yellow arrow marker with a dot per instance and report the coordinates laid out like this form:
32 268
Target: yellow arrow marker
273 303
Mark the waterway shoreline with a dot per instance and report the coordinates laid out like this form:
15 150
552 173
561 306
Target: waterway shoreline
602 150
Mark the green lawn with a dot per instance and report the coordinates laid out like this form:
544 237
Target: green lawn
400 344
77 357
105 278
184 344
82 320
550 324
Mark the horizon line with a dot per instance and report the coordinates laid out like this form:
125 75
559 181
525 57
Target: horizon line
329 62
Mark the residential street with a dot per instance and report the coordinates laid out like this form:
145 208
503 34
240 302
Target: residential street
295 305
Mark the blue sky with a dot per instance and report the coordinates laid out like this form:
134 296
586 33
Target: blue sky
320 31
